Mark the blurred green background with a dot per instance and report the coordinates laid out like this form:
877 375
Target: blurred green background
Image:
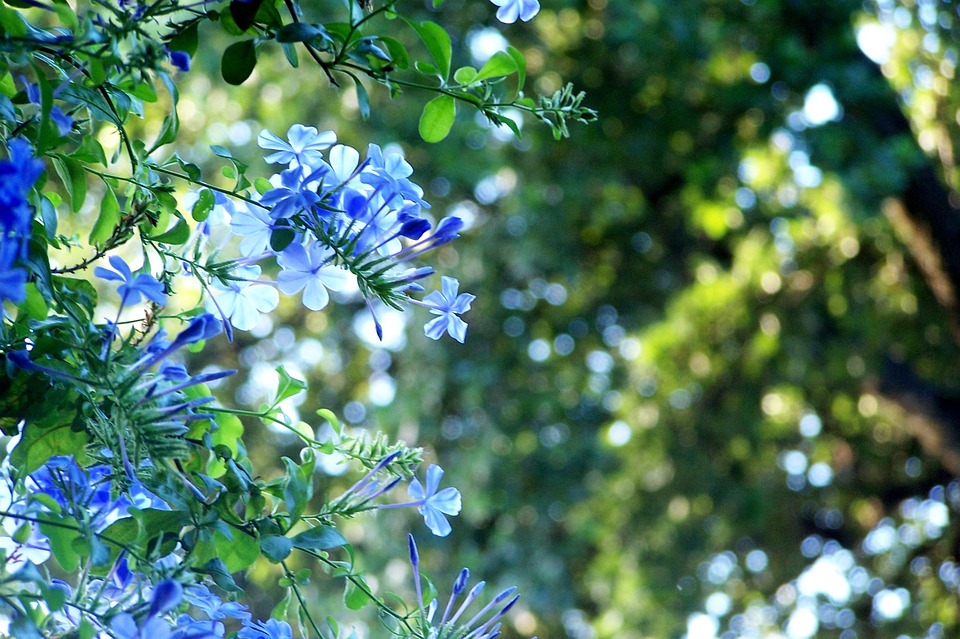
710 386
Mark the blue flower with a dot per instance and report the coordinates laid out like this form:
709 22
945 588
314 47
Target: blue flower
449 306
13 279
180 59
17 176
269 629
202 327
310 269
305 147
142 286
124 626
241 301
482 625
190 628
167 595
200 596
293 195
434 505
510 10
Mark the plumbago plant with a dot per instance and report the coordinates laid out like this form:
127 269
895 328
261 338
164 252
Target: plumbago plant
128 504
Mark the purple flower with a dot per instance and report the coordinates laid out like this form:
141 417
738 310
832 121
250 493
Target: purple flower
142 286
449 306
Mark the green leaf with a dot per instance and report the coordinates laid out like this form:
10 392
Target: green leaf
74 179
179 234
34 305
281 238
353 597
87 629
301 32
290 53
262 185
328 415
276 547
38 444
363 99
465 75
437 41
398 52
425 68
205 202
229 430
62 542
244 12
90 151
287 386
220 575
239 60
296 491
12 23
108 219
499 65
319 538
437 118
66 14
238 553
186 40
521 66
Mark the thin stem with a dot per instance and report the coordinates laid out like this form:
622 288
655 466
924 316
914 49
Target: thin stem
303 604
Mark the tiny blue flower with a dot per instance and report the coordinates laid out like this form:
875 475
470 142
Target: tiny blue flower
434 505
305 147
310 269
180 59
143 285
269 629
449 306
510 10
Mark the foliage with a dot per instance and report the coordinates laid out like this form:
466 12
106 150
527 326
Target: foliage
127 491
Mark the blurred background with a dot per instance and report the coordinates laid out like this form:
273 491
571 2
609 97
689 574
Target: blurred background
710 386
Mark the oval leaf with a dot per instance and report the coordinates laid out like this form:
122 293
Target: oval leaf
499 65
238 62
437 118
319 538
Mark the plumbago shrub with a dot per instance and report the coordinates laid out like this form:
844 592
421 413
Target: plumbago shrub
128 504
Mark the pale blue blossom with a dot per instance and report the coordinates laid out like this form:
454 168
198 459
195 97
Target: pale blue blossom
448 305
242 301
269 629
433 505
510 10
255 226
305 146
310 269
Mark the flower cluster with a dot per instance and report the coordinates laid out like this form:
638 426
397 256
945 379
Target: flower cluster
17 175
484 624
332 221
